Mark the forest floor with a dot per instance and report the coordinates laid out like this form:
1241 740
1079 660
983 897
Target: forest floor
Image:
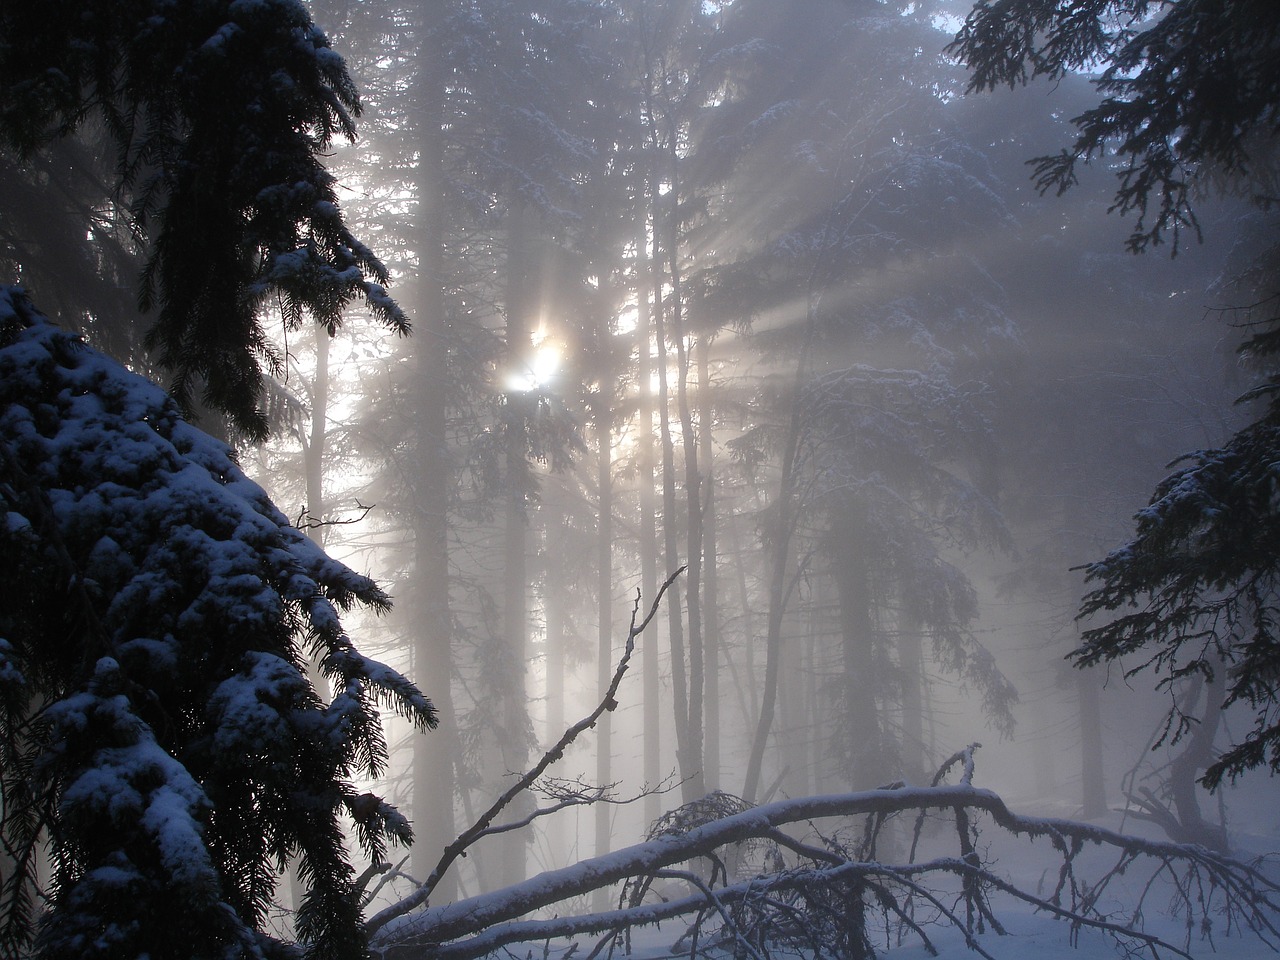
1033 935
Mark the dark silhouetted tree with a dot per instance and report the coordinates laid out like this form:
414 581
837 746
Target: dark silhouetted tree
1186 96
218 114
1190 99
160 737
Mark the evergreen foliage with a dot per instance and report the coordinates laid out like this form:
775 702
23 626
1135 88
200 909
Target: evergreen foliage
1189 94
158 727
219 111
1190 88
1200 583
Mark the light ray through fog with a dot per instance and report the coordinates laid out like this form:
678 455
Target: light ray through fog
983 283
905 405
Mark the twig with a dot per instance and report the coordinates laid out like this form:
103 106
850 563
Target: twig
388 873
306 521
711 897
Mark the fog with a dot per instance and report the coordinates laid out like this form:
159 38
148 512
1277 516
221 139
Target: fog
762 295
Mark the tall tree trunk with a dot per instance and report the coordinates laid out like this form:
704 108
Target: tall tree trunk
710 578
911 670
1089 703
813 716
675 623
648 520
744 675
435 754
1175 805
779 542
554 607
314 451
1195 758
1088 699
604 608
313 457
858 725
692 762
779 546
513 729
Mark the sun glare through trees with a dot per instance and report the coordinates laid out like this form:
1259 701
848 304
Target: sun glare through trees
583 477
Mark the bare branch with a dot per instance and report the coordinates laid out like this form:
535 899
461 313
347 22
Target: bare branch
579 795
717 902
306 521
483 825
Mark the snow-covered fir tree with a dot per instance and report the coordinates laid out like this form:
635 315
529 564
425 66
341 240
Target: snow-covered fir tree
160 740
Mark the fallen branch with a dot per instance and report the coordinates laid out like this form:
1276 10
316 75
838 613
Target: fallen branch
472 927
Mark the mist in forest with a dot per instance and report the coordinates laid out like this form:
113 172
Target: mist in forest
791 478
764 297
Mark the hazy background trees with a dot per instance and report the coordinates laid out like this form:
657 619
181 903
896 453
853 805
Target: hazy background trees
749 286
904 393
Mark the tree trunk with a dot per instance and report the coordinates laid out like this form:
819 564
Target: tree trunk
691 768
513 728
745 685
911 669
648 522
779 546
1094 794
556 589
710 578
541 909
679 682
314 450
1176 807
813 716
604 608
1195 758
859 725
435 754
313 455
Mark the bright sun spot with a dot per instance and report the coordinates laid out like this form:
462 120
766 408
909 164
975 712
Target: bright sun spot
541 367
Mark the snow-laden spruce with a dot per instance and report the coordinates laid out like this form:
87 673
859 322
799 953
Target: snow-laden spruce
159 730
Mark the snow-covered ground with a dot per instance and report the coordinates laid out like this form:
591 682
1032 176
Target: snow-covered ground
1032 935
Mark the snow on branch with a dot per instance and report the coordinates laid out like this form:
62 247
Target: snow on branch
158 727
825 893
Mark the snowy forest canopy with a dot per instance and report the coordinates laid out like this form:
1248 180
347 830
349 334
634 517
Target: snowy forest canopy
760 291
